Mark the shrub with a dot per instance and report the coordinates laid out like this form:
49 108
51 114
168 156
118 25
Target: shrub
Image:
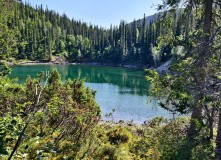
119 135
65 113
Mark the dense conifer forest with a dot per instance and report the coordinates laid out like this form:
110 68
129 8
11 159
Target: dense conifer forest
42 33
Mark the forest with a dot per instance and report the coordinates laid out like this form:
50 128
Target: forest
42 33
46 118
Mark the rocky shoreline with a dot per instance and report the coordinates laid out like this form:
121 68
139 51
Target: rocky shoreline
83 63
162 68
122 123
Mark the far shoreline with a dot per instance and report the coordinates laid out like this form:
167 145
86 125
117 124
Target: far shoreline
129 66
162 68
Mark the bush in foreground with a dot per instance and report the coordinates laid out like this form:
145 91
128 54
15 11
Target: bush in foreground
63 122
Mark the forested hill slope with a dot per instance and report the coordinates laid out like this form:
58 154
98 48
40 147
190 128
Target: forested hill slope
148 20
42 33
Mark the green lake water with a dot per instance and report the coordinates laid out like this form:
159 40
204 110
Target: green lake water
126 90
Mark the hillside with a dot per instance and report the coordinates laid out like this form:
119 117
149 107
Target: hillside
148 19
43 33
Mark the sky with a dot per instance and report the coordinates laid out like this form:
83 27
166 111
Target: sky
101 12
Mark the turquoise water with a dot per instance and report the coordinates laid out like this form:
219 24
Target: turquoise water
126 90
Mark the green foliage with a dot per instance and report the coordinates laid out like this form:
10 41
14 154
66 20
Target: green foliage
66 113
8 43
10 128
4 70
111 143
54 78
160 138
191 81
118 135
163 139
39 34
170 91
111 114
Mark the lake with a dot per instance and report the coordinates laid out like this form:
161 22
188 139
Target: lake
126 90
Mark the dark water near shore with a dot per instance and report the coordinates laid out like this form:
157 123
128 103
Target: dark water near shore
126 90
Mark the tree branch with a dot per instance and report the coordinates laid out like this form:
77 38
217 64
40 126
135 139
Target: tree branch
27 123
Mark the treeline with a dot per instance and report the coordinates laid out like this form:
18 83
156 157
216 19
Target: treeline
42 33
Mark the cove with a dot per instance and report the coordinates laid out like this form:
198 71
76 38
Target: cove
126 90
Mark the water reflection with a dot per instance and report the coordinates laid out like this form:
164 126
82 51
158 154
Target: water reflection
128 81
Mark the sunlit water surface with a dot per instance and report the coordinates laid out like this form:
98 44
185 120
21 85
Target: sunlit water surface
126 90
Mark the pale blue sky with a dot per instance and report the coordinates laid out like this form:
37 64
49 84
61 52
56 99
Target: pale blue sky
101 12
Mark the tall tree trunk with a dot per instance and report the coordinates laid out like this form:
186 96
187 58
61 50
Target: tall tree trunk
195 117
197 112
218 138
